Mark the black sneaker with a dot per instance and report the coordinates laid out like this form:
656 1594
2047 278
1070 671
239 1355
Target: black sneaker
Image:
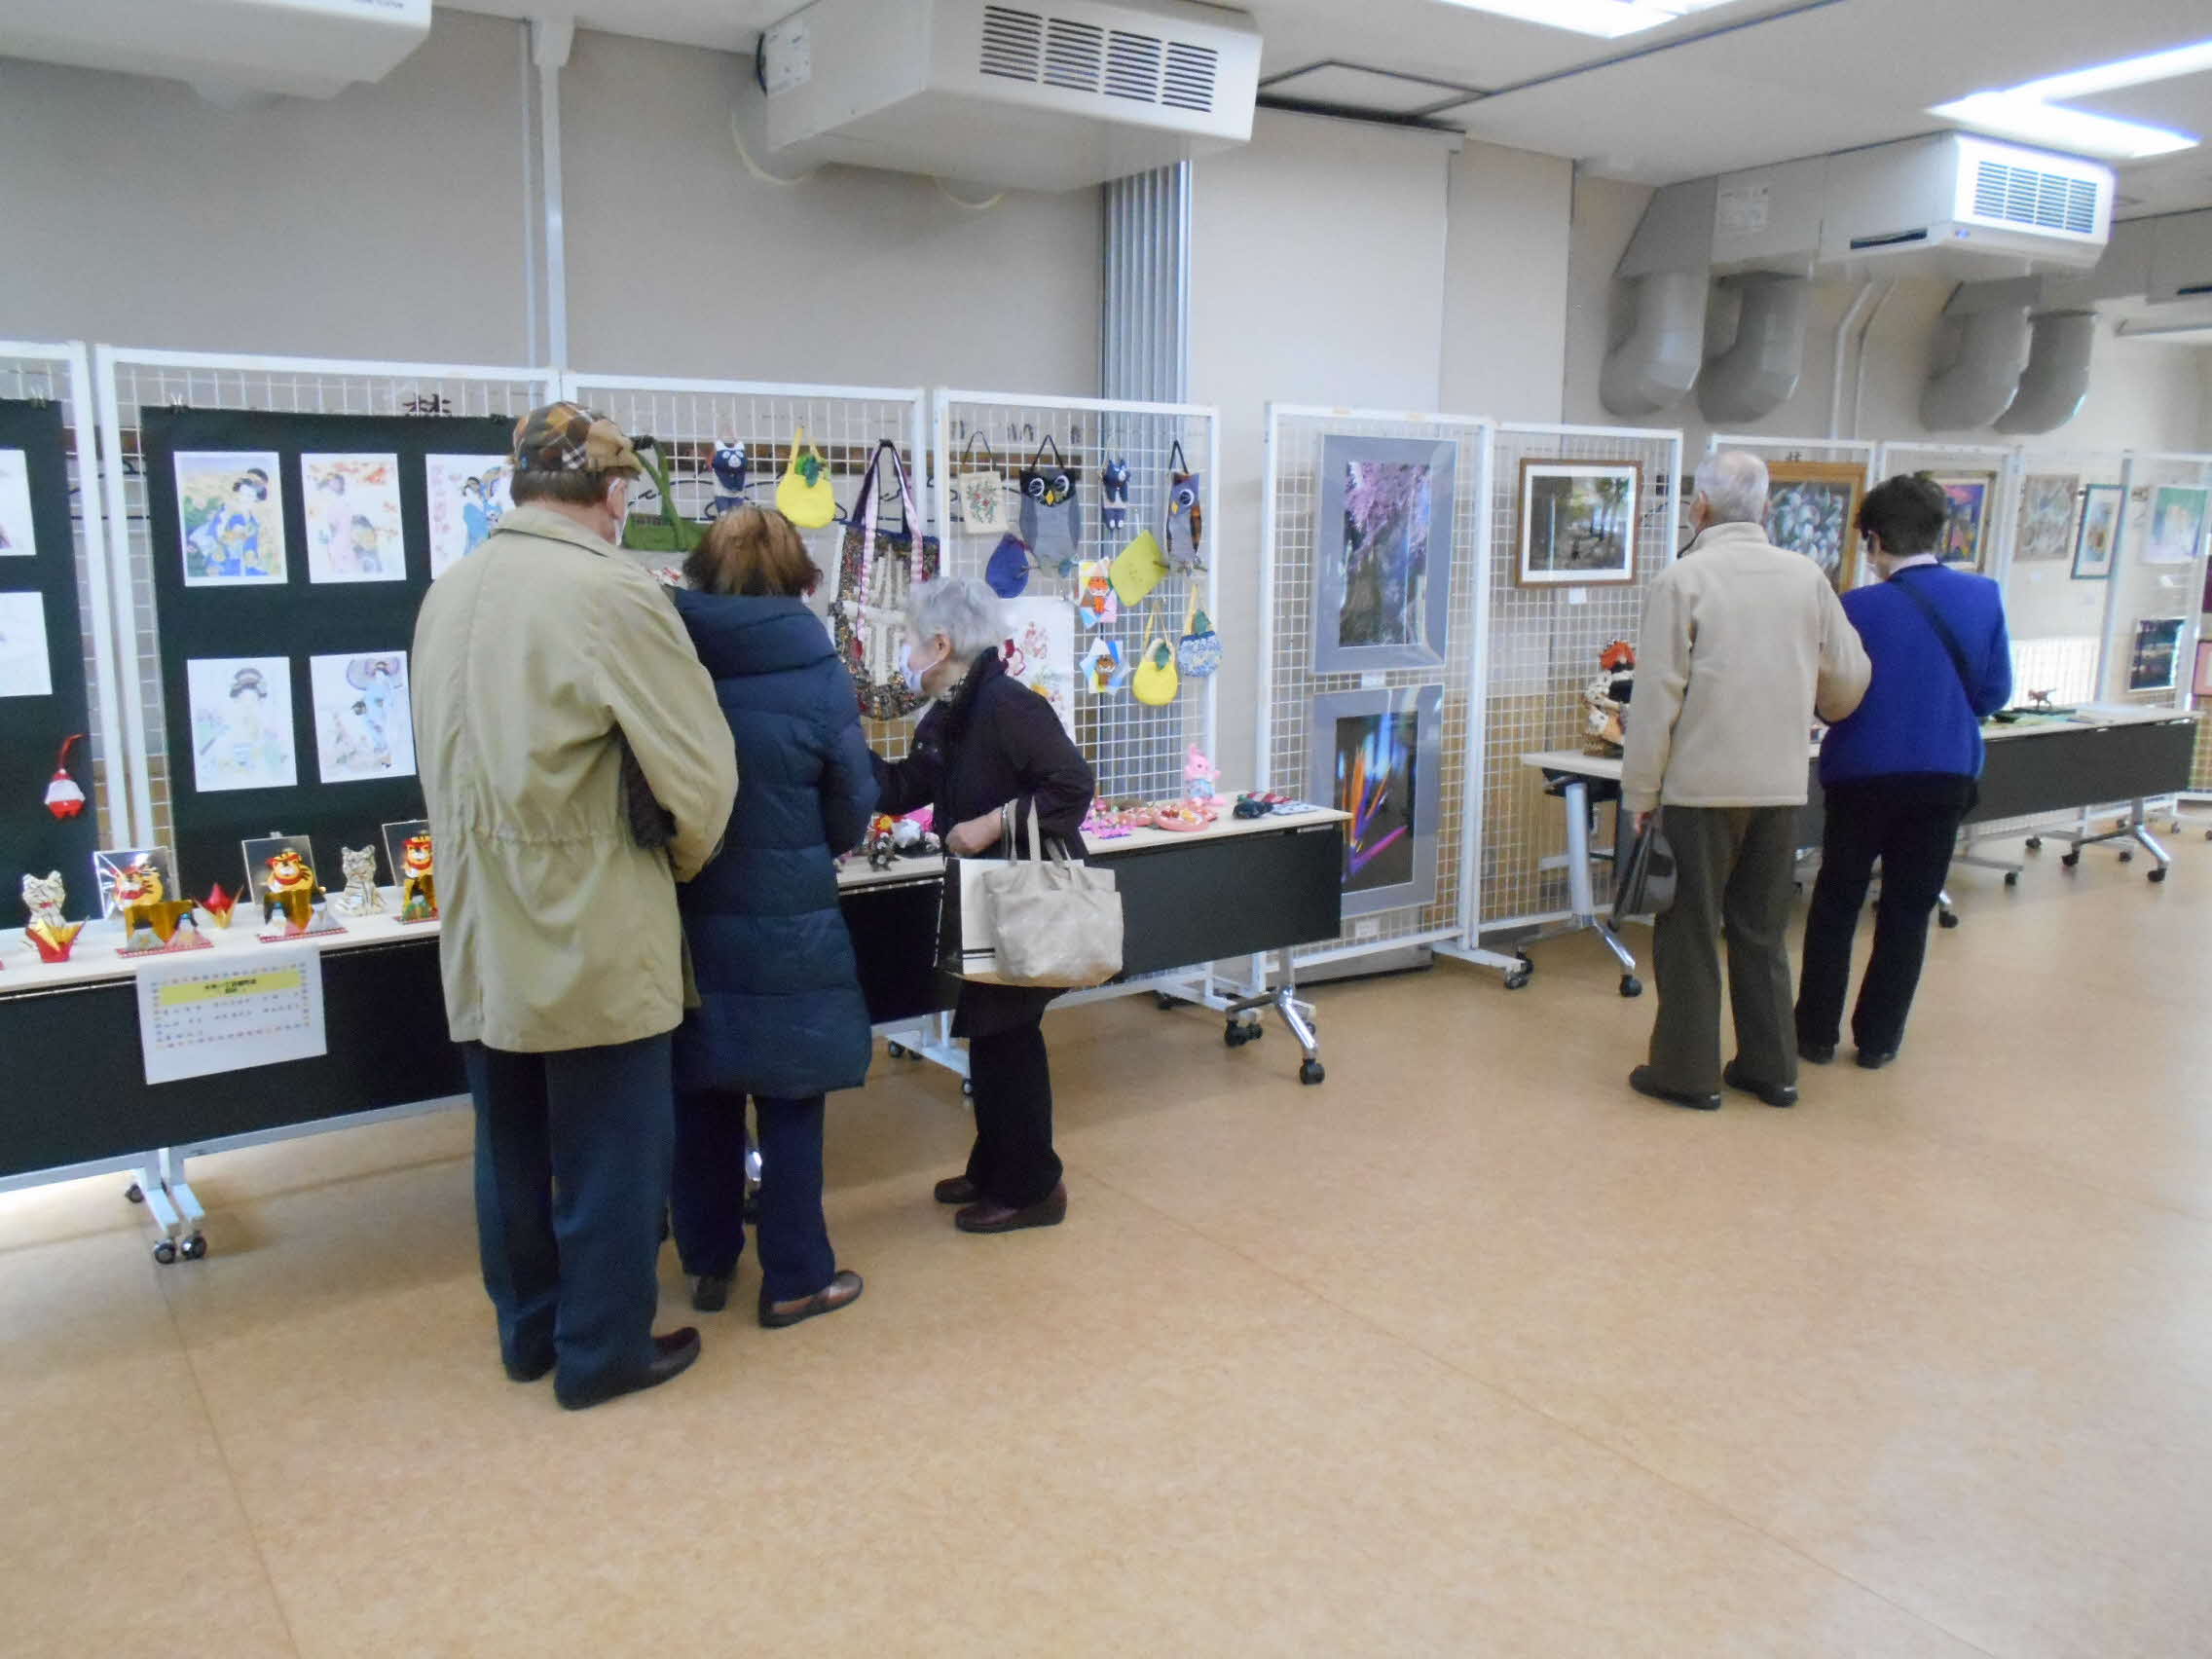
1816 1053
1773 1093
1643 1080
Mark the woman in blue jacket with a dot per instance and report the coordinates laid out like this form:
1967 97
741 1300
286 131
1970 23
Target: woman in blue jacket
781 1016
1898 775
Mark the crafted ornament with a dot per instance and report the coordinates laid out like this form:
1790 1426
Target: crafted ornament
219 905
291 889
49 934
63 799
152 921
1605 700
418 881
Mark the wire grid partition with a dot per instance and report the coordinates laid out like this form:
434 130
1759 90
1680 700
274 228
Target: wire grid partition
1543 649
2056 622
1291 544
61 374
2148 583
1137 751
688 419
132 381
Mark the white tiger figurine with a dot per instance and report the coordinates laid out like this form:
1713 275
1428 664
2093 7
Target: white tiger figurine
360 897
43 899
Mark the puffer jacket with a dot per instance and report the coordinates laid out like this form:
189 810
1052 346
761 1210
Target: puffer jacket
781 1012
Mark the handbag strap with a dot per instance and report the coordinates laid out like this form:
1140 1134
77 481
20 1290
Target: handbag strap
1956 651
1175 461
1191 611
969 449
1036 461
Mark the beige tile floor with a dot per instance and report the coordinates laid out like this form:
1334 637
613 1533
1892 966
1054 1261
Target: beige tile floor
1469 1352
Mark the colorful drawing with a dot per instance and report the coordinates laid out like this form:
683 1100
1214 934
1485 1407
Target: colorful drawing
467 498
1382 572
24 668
1965 533
363 724
1811 507
2177 524
1375 755
2046 518
353 524
1040 651
18 536
230 507
241 723
2151 665
2099 533
1578 523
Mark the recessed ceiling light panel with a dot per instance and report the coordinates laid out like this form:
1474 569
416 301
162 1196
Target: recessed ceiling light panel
1608 19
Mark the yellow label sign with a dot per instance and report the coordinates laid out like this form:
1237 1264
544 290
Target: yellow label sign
268 981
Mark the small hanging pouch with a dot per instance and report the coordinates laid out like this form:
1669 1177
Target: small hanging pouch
1183 491
1114 496
803 494
979 490
1008 568
1198 651
1155 680
1139 568
1050 517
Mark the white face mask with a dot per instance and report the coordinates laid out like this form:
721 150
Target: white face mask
915 674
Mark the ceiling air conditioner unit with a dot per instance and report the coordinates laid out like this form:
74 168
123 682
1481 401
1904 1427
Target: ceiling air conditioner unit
1964 207
1046 95
305 48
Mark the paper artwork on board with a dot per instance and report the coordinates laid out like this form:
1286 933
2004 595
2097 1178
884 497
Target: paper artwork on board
1813 508
241 723
363 727
2094 542
467 498
24 671
1040 651
1578 522
230 507
1966 527
2177 524
18 537
2153 664
352 513
2046 518
1382 572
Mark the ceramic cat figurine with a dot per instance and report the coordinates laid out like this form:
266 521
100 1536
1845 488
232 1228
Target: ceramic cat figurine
360 897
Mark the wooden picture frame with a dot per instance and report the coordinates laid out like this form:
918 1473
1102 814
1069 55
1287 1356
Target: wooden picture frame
1603 498
1966 537
1802 497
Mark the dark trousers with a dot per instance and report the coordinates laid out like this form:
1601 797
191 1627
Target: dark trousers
1910 823
1012 1161
707 1194
571 1171
1732 881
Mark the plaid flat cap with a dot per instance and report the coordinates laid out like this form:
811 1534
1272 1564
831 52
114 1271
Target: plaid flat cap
567 437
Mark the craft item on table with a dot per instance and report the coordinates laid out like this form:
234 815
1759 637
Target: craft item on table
803 494
360 898
363 729
18 538
219 903
731 484
1605 700
1182 816
1114 496
63 797
1199 775
1183 489
1101 666
153 921
876 571
890 840
353 515
1008 568
1247 807
1051 521
230 508
979 492
1291 809
50 936
1096 602
289 889
1155 680
418 881
1138 567
1103 822
468 495
1578 522
1198 653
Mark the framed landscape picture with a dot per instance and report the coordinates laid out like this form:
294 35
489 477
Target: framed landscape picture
1966 537
2046 518
1383 560
2177 524
1811 507
2099 533
1578 522
1377 757
2151 665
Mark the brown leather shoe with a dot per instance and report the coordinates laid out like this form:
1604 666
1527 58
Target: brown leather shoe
957 1190
986 1217
673 1354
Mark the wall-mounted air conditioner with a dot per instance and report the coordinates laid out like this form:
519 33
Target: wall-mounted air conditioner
1960 205
305 48
1046 94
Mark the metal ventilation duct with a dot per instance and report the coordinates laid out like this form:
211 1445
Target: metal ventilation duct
1758 373
1979 357
2057 377
1655 358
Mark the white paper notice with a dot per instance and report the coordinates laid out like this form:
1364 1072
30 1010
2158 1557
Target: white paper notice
195 1018
24 669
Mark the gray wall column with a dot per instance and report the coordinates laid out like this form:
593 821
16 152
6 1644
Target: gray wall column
1144 336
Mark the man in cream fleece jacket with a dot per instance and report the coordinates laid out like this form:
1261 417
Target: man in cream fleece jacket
1742 644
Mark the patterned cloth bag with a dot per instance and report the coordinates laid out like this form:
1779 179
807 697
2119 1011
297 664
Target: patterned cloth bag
878 569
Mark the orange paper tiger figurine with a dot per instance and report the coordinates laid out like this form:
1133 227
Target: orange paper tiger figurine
418 881
289 887
143 898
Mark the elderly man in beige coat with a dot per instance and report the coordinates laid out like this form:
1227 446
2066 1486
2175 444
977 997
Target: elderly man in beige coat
545 664
1742 644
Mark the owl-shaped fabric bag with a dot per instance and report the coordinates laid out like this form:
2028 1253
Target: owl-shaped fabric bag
979 490
1049 519
1184 488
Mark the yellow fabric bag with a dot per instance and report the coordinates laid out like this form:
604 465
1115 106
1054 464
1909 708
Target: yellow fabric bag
1156 679
803 494
1139 568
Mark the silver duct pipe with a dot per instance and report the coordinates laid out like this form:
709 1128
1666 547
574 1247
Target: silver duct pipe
1144 336
1759 371
1655 357
2057 377
1979 357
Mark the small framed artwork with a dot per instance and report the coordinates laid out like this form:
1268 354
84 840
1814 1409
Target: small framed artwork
24 668
2201 685
1811 507
2093 543
1377 757
16 537
2177 524
2151 665
110 863
1382 566
230 508
1966 536
2046 518
353 512
1578 522
241 723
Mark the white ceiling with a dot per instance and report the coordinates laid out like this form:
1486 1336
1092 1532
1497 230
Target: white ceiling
1736 85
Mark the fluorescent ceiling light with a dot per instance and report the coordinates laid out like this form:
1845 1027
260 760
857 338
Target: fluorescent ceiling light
2032 111
1608 18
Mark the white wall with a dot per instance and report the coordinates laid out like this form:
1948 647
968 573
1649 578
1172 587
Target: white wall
1507 283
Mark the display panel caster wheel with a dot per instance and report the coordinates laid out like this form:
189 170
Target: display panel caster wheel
1162 1001
1946 918
2033 843
2012 878
1236 1034
195 1247
1312 1072
1517 979
165 1252
2126 858
896 1050
2070 859
134 1194
2159 874
1631 985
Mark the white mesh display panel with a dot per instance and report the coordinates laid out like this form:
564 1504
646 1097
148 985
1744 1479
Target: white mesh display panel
61 375
1137 751
2056 623
1545 648
1294 485
2142 590
132 381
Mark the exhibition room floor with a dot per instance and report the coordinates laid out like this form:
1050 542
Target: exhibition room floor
1468 1352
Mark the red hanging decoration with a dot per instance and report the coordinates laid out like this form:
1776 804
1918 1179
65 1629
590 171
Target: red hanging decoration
63 799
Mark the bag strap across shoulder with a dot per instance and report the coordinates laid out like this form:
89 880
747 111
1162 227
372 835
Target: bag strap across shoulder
1950 639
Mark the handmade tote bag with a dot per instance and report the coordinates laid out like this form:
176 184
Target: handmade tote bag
878 569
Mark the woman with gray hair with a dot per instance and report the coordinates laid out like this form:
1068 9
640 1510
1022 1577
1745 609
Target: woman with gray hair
988 755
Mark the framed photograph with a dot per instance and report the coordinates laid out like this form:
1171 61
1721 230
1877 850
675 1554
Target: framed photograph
2046 518
2177 524
16 537
25 670
241 723
230 507
1811 507
1378 756
2151 665
353 512
1578 522
263 850
364 725
2093 543
1966 537
468 495
109 864
1383 563
2201 685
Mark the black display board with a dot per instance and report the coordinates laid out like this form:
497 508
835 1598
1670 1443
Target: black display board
33 729
297 620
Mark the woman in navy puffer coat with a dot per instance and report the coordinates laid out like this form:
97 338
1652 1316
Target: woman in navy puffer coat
782 1018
